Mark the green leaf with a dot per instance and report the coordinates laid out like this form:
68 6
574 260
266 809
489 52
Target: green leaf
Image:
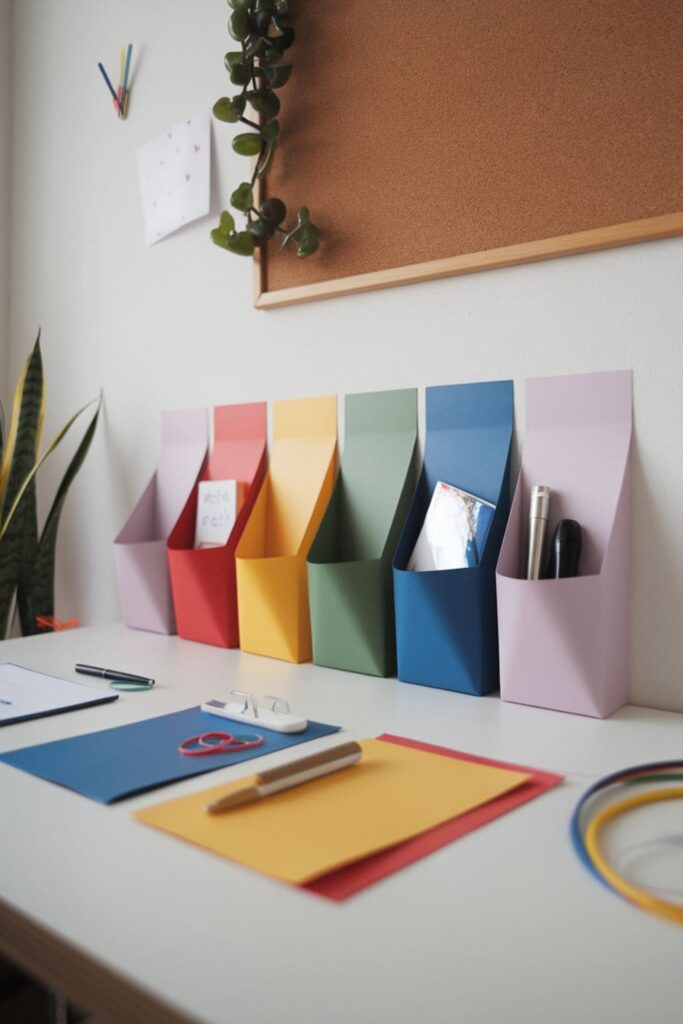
218 238
271 54
262 20
18 516
281 8
305 234
278 76
273 210
266 164
243 197
285 40
242 244
254 47
309 242
247 144
238 26
261 230
35 593
230 110
238 5
264 101
232 58
226 224
270 131
240 74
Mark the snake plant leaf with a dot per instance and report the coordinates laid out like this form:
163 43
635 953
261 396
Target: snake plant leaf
264 102
247 144
18 518
28 480
36 585
243 197
239 23
229 110
278 76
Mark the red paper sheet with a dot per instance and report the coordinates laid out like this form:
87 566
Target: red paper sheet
346 881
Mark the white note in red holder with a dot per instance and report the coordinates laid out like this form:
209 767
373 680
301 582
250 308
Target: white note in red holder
217 507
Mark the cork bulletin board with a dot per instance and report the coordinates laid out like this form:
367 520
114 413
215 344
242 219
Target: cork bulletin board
438 137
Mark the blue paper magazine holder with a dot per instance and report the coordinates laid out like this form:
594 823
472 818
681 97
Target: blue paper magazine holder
446 626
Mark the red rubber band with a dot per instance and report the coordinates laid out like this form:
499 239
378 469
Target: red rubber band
204 745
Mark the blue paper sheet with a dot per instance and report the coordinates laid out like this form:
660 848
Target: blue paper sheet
116 763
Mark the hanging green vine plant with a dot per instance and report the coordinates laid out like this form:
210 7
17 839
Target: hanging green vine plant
262 29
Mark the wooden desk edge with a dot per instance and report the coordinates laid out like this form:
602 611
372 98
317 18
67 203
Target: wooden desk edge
87 982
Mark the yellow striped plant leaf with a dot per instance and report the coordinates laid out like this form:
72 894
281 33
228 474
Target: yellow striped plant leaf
18 516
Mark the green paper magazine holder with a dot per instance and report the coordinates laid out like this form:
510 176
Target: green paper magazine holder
349 563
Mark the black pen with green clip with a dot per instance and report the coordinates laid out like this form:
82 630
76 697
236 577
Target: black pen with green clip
119 680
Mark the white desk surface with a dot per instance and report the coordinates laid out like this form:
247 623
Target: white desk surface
502 925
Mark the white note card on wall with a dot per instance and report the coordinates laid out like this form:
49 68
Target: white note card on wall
174 173
217 502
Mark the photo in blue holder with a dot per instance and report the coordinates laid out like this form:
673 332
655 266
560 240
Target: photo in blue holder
454 531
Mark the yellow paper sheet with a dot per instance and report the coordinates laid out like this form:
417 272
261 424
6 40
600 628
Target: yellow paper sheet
392 794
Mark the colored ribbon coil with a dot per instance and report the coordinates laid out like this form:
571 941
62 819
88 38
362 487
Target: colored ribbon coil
587 841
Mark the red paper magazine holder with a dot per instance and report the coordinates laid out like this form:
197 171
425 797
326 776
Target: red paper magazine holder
203 580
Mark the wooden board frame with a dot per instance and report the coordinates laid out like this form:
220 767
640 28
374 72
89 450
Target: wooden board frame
649 229
663 225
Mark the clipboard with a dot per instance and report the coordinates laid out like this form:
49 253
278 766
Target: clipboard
25 694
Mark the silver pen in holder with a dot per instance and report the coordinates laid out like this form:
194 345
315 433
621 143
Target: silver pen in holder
538 527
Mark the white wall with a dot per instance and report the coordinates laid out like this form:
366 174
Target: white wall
5 188
173 325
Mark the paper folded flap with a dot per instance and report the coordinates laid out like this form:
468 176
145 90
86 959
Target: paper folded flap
184 444
305 418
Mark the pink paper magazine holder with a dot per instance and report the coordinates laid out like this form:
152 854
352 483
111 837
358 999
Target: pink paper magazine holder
564 643
140 548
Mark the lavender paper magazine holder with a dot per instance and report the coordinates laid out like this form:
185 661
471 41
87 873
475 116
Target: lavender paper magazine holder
564 643
140 548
